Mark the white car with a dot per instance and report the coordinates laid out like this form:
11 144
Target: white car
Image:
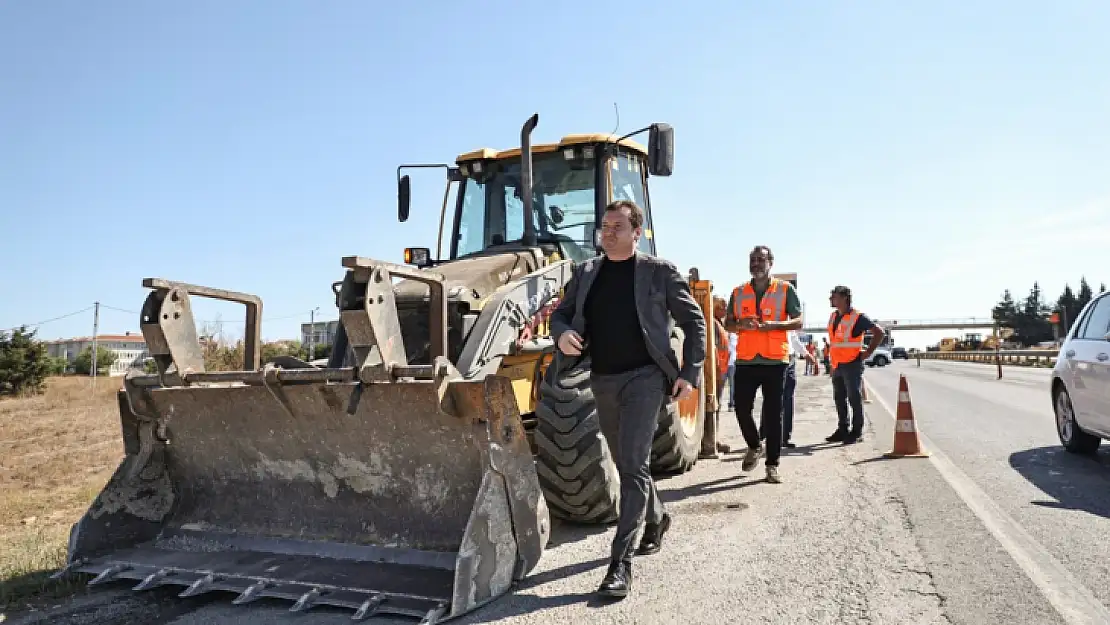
881 358
1081 380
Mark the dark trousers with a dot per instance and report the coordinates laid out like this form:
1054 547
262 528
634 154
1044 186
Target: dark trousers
790 382
847 382
628 407
770 379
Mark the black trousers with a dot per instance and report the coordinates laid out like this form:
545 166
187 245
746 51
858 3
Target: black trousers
770 379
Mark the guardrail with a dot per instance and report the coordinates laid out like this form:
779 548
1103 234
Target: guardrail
1018 357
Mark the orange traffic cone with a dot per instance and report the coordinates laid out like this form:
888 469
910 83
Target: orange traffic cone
906 442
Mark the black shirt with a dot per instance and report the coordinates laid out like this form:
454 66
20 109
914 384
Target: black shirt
616 340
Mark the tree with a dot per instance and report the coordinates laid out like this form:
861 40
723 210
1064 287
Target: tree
1067 307
1101 287
1006 312
104 360
1032 325
1085 294
24 363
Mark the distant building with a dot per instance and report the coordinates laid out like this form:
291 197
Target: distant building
130 350
319 333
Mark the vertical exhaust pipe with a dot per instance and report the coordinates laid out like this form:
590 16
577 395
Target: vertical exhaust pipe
526 177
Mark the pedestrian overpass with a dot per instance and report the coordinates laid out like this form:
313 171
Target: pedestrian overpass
959 323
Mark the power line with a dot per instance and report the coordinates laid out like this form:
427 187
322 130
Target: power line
33 325
135 312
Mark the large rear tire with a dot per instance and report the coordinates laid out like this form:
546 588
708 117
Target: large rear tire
680 427
577 474
678 433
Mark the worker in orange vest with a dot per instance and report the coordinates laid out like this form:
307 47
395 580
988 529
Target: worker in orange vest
710 446
762 311
847 327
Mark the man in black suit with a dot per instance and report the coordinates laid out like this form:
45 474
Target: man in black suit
621 308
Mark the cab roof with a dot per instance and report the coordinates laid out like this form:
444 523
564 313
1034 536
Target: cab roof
538 148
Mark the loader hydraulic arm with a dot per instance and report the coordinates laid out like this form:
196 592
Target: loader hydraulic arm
170 331
368 312
505 316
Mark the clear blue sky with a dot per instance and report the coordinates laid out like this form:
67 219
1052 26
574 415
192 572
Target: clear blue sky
928 154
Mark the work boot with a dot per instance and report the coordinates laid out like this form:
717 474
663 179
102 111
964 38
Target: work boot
773 475
618 580
750 458
652 541
723 448
837 436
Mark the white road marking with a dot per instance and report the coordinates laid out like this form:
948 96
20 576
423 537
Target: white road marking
1072 600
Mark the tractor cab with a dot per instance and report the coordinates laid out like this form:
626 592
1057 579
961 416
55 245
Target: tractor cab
570 184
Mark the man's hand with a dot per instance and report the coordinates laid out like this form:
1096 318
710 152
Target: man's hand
570 343
681 390
749 323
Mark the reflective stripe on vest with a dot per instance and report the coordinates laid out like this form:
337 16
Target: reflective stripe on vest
774 344
842 347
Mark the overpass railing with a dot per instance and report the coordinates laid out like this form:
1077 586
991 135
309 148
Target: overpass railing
1019 357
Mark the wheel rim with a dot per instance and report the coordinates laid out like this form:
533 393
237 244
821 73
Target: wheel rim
1065 420
688 413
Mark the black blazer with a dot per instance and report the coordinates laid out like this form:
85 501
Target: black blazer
663 300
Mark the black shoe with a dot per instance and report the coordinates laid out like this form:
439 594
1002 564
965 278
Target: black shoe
837 436
652 541
617 581
789 445
853 438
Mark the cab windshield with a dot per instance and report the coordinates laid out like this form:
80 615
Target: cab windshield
563 200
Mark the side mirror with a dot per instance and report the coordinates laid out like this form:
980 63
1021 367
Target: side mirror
403 198
661 150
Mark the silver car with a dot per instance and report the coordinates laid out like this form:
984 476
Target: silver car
1081 380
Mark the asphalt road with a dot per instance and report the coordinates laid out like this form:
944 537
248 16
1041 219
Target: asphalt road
1000 436
850 537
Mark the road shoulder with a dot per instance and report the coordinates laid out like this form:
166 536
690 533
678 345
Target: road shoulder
977 578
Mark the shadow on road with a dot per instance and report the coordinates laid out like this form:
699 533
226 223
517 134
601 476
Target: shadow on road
565 533
1074 481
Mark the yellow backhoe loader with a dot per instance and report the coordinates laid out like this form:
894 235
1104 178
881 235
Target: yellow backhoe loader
414 472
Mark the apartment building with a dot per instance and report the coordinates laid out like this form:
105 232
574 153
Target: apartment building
130 350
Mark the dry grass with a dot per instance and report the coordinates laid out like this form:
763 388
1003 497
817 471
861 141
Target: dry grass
56 452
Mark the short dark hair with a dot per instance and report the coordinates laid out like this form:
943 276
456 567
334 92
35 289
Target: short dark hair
763 248
635 213
843 290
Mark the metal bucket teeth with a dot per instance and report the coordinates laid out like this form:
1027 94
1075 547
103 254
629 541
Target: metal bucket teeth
364 601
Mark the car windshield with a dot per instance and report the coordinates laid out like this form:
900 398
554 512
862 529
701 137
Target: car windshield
492 212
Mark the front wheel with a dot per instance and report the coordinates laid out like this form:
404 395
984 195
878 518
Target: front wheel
576 471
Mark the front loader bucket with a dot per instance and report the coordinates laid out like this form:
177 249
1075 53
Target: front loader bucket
410 497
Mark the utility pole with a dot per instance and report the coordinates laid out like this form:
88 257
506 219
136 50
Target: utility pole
96 329
311 334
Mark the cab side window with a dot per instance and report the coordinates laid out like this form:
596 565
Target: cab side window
627 173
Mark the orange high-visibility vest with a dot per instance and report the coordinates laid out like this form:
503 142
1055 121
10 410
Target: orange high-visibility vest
722 349
774 344
842 347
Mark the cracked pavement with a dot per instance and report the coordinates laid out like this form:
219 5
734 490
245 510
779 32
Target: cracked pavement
849 537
